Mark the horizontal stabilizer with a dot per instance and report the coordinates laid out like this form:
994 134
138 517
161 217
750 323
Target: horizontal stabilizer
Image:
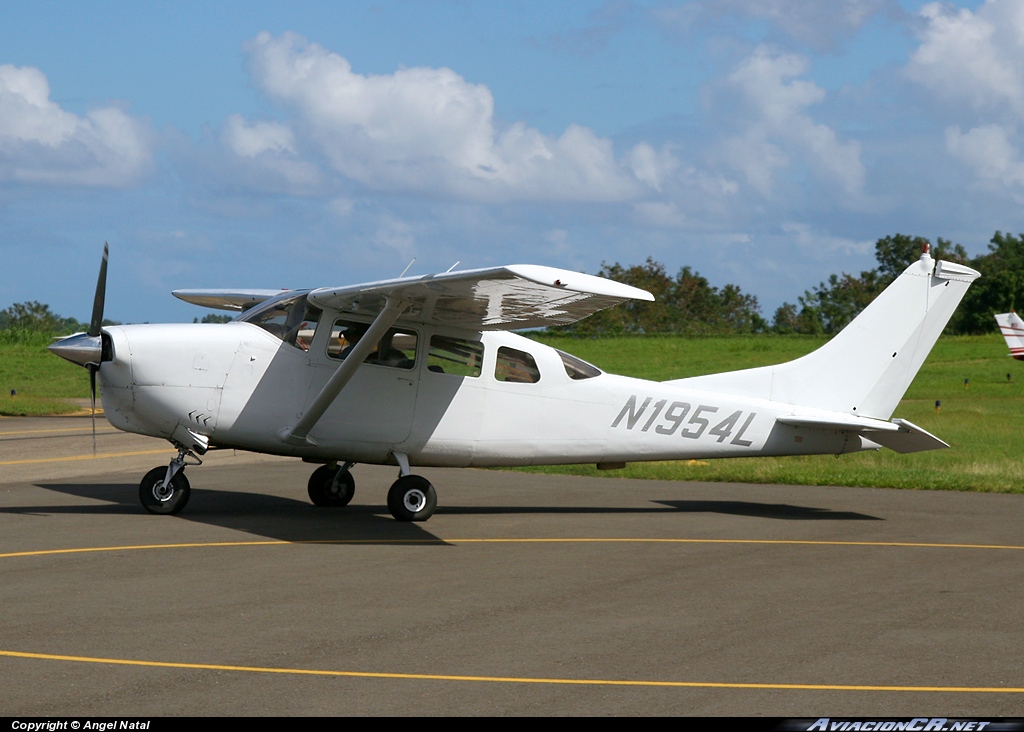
910 438
840 422
899 435
226 299
496 298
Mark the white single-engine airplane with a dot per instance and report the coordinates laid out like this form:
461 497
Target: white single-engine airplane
421 371
1012 328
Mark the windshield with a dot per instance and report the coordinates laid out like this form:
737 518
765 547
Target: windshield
288 317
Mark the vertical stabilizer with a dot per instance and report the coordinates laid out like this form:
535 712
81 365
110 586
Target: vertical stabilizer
1012 328
867 367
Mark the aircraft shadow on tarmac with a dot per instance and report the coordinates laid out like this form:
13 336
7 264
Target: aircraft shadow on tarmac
769 510
288 519
271 517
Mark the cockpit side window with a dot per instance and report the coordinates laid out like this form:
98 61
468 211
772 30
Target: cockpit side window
397 348
516 366
456 356
291 318
576 368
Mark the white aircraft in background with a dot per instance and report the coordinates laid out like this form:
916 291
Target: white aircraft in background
421 371
1012 328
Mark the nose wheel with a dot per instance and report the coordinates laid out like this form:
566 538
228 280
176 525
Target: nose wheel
412 498
331 486
162 497
165 491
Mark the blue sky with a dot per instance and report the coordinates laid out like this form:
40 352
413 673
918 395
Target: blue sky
766 143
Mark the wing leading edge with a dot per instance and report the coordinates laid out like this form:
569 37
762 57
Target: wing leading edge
225 299
496 298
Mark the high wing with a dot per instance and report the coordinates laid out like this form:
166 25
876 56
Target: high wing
226 299
496 298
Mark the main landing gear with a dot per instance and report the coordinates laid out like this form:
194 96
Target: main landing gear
331 486
411 497
166 490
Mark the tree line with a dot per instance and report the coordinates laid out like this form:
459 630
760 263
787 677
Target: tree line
688 304
29 320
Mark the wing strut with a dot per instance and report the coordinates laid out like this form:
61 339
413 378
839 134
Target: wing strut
298 433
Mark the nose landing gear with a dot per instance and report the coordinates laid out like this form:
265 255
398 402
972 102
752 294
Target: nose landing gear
165 491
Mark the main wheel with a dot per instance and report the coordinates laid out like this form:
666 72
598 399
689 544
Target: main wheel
412 498
161 499
331 487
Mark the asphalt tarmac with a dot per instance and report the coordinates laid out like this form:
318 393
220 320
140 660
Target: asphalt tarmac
524 595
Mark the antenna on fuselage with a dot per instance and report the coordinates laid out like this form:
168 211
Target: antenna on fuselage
453 266
407 268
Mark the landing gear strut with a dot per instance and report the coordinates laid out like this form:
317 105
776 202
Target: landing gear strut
331 486
166 490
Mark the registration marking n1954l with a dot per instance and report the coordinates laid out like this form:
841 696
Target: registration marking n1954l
668 418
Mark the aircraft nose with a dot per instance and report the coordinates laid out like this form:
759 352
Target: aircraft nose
81 348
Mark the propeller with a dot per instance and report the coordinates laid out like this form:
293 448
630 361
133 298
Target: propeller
94 332
101 291
86 349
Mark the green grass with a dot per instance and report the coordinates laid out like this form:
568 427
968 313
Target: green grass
981 423
43 382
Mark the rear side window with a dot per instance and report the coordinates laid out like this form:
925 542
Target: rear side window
455 356
576 368
516 366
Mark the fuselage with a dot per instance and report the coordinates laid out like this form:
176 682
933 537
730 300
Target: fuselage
446 398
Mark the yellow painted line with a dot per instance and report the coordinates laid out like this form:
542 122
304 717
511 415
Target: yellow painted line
736 541
86 550
98 456
513 679
68 429
443 542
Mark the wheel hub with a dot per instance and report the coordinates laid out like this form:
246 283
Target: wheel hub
414 500
162 492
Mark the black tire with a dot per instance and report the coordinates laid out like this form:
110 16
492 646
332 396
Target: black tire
412 498
156 500
330 488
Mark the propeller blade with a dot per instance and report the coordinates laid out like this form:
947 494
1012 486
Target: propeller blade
101 291
92 392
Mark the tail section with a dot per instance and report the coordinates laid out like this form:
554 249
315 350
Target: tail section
866 369
1012 328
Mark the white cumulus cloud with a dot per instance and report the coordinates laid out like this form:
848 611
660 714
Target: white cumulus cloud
973 58
42 143
972 61
989 152
266 154
430 130
780 128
